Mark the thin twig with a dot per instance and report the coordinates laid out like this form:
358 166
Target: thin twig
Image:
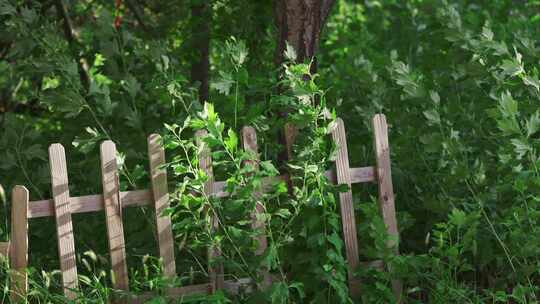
61 9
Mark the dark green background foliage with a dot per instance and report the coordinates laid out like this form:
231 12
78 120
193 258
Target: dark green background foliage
457 80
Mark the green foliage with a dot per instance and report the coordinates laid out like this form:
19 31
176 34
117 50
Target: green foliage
457 80
459 84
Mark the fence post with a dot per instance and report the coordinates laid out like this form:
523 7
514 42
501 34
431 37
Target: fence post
19 244
215 272
113 213
346 205
64 225
158 176
386 191
249 143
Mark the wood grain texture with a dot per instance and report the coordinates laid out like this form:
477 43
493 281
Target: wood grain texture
113 214
158 176
249 143
346 205
90 203
19 242
64 225
386 190
215 269
384 174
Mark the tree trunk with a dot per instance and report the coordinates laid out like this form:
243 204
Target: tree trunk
201 16
299 23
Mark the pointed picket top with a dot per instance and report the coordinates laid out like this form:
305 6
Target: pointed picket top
113 213
386 190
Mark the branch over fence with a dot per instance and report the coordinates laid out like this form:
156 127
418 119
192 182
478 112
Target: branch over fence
112 201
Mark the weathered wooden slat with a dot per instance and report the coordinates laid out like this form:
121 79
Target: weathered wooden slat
362 175
158 175
358 175
215 270
137 198
19 240
384 175
113 214
386 190
64 225
346 205
89 203
249 143
4 249
231 286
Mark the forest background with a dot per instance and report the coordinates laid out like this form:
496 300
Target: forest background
457 80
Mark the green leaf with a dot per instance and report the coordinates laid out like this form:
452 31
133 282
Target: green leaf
508 105
435 97
458 217
290 52
197 124
6 8
283 213
336 241
511 67
532 81
533 124
50 83
279 293
209 113
231 142
99 60
269 168
132 86
521 147
223 84
432 116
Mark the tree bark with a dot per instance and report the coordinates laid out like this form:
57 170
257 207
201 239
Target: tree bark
201 16
299 23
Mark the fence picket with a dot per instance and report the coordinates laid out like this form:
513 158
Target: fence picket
113 201
113 213
249 142
346 205
215 270
158 175
19 240
386 190
64 225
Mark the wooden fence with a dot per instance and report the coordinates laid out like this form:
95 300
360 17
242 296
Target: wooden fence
112 201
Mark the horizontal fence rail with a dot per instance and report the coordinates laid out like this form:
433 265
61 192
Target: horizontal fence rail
112 201
139 198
